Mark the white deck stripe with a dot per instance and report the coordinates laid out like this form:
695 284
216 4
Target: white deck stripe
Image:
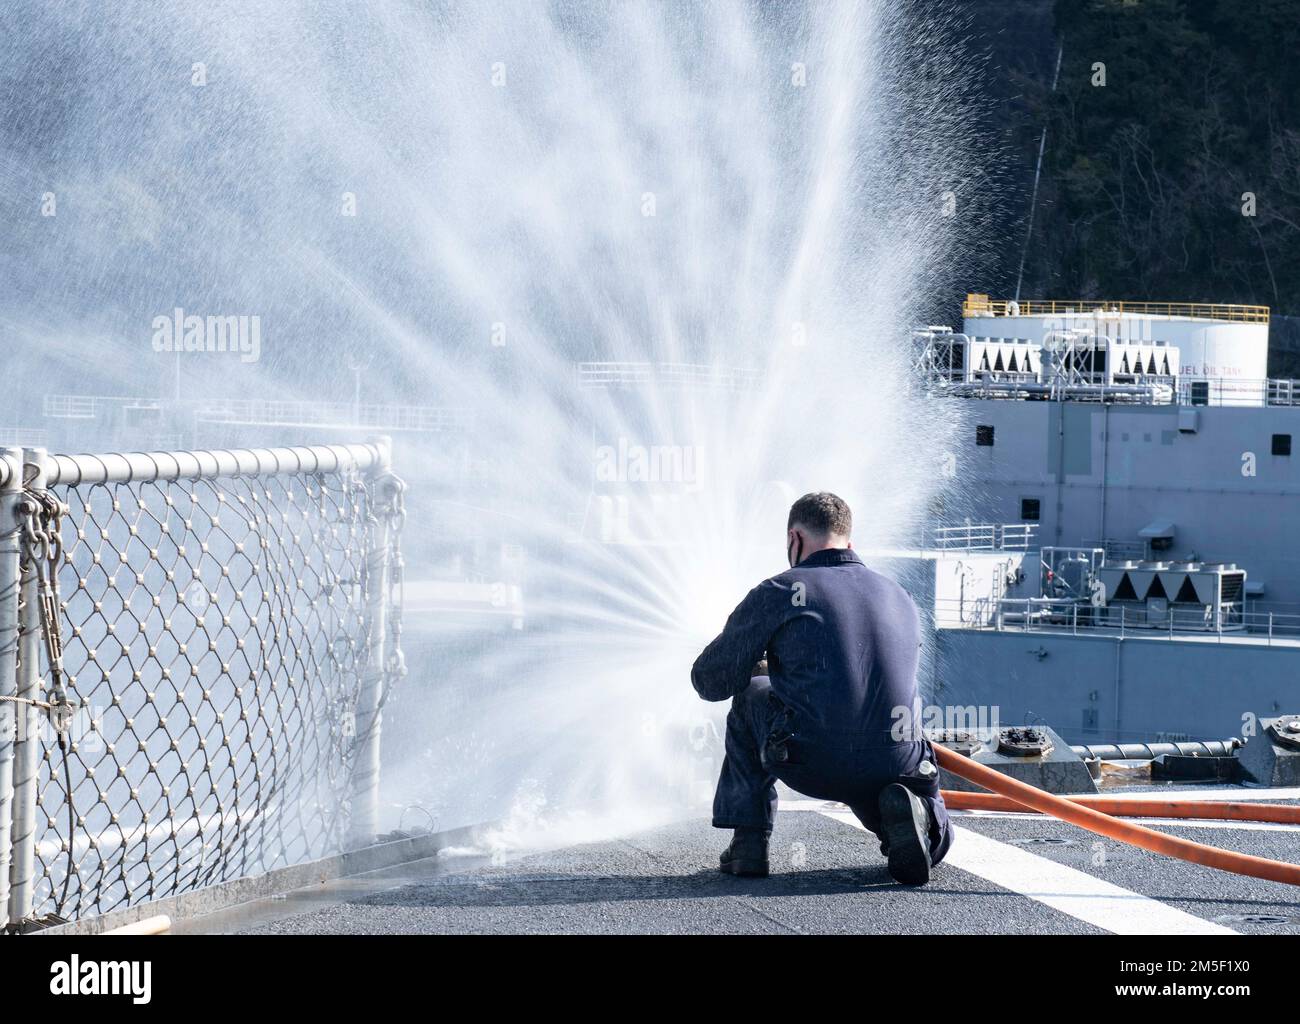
1236 794
1059 886
1243 826
1220 824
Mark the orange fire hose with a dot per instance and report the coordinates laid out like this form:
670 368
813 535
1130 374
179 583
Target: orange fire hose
1208 810
1103 824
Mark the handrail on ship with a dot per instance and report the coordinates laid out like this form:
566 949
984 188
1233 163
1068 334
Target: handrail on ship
982 305
1048 615
980 537
1187 391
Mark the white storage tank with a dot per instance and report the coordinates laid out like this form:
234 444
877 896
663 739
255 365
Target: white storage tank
1216 342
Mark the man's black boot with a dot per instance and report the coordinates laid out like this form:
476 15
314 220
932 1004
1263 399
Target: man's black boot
905 822
747 854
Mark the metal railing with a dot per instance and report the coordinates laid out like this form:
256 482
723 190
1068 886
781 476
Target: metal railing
1206 391
20 437
269 412
682 375
1283 392
981 537
1235 392
80 407
1122 550
371 416
1039 615
195 649
982 305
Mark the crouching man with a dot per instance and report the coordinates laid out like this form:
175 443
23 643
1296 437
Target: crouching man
841 645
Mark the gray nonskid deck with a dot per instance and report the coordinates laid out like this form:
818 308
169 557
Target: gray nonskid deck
827 877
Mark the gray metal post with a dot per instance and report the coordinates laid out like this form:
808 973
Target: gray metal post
364 789
27 746
10 545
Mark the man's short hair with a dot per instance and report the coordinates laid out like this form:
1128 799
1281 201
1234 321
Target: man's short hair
823 514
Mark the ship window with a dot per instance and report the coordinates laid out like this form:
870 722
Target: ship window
984 436
1281 444
1029 509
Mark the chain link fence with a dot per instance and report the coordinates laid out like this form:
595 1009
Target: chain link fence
195 649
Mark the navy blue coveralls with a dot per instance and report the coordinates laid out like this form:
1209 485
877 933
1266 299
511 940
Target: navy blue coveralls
842 645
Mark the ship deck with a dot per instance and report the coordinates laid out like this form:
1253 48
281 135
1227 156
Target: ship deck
1006 874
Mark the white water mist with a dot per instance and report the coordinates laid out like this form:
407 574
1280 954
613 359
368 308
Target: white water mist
738 203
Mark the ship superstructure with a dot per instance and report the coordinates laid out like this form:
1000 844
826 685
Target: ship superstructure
1123 562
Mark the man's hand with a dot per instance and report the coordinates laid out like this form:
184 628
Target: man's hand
725 667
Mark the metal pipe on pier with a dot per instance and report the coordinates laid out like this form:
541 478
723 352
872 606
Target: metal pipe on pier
1150 751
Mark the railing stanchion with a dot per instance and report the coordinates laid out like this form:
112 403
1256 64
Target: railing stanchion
27 740
10 547
364 788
